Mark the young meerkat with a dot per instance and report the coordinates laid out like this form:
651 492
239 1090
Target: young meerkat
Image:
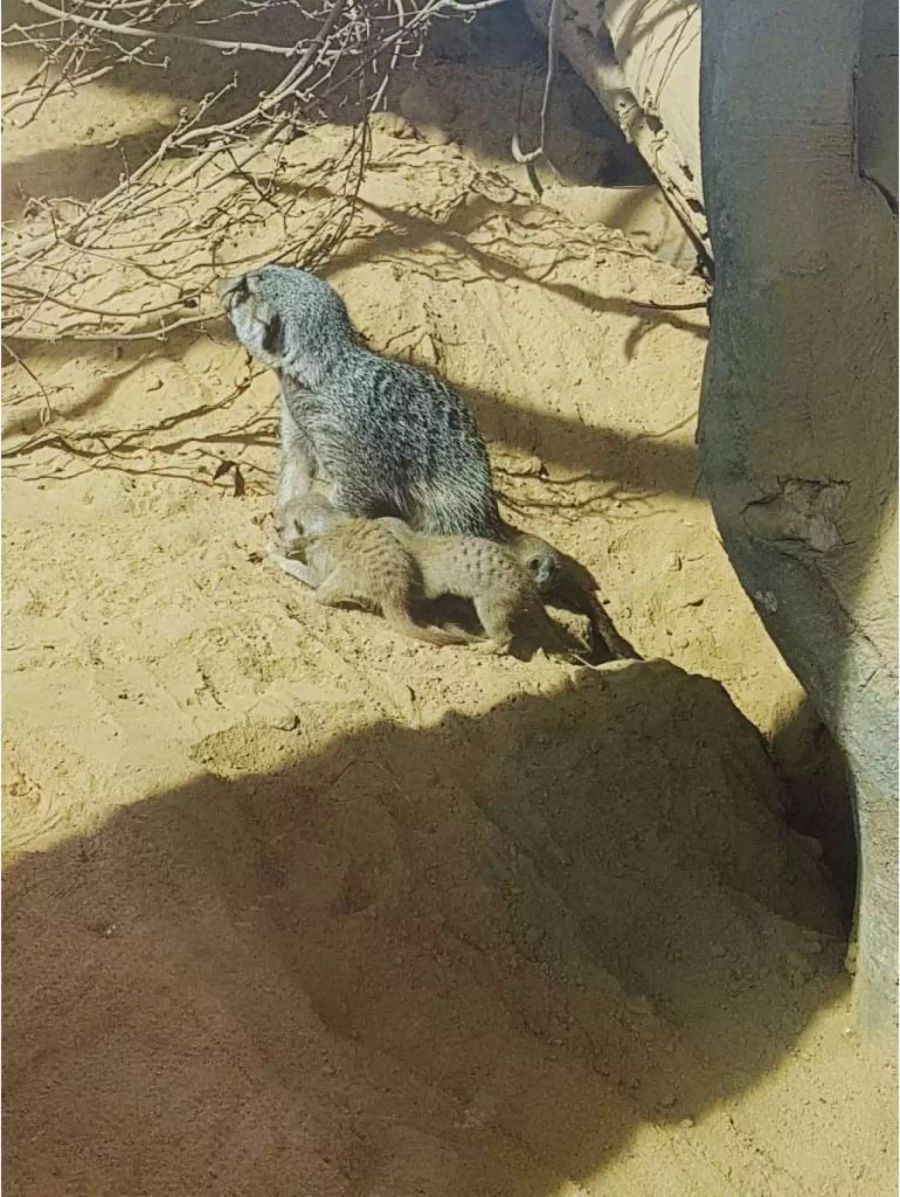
491 575
356 559
359 561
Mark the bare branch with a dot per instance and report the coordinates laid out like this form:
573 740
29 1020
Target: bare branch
157 35
162 234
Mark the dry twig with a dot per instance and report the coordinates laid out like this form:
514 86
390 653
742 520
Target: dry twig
137 263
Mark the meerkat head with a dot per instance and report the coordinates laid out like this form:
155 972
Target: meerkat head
543 563
304 518
289 320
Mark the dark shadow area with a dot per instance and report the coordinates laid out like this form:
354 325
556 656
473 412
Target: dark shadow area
500 52
819 805
473 959
630 466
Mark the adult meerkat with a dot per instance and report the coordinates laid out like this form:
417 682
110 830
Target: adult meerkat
384 563
392 439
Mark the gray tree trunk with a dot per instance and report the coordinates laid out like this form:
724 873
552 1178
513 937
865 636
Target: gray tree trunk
798 427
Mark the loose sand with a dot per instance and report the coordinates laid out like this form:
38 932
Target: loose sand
294 906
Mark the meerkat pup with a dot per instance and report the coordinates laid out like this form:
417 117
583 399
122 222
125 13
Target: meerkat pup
500 587
558 578
362 559
391 439
359 561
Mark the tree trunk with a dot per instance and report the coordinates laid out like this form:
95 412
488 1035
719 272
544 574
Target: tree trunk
798 427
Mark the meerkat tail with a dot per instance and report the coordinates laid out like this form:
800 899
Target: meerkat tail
400 621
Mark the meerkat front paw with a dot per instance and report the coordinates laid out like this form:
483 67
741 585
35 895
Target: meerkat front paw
294 569
493 647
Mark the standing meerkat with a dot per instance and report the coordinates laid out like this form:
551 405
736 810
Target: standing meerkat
384 562
392 439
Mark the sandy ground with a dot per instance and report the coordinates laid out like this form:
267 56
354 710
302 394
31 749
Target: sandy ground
294 906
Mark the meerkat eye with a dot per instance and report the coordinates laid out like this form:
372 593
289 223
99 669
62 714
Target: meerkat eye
534 564
273 338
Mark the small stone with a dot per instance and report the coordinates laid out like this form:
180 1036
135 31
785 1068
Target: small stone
284 720
673 562
686 1123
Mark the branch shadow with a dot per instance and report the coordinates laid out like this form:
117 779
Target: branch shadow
408 232
632 465
445 960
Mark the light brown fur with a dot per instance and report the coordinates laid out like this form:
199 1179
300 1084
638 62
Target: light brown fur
354 560
560 581
488 573
384 564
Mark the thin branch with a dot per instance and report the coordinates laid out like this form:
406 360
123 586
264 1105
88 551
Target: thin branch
527 159
47 412
158 35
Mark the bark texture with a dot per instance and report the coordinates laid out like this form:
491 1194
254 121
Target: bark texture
798 425
641 58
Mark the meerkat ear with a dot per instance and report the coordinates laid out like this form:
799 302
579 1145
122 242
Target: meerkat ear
273 337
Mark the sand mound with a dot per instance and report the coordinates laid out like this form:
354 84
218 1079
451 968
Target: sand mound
501 954
295 906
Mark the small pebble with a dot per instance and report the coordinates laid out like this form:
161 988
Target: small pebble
283 720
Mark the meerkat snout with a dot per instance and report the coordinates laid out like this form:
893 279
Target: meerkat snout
227 288
540 559
305 517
